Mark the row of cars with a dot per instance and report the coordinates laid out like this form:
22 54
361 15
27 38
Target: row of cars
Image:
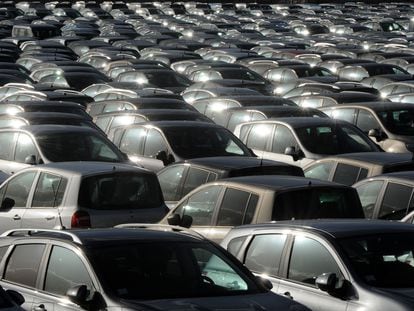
219 117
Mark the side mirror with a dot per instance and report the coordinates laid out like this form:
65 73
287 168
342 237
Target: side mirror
265 283
176 220
78 294
31 159
326 282
7 203
162 156
15 296
375 133
291 151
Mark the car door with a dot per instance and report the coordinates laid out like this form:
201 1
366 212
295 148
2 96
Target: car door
237 207
47 197
17 189
65 269
21 271
308 258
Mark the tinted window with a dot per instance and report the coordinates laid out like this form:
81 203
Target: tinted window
233 207
120 191
264 253
195 178
49 190
319 170
368 194
133 141
154 143
366 121
65 270
309 259
24 263
344 114
7 144
395 202
200 206
18 188
251 208
399 122
283 139
348 174
170 179
259 136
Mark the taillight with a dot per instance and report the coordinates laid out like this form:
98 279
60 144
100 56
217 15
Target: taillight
80 219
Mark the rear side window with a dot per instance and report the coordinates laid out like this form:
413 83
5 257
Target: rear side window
348 174
395 203
264 253
195 178
233 207
24 264
49 190
120 191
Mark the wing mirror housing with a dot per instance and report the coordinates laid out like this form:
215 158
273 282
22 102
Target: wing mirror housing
326 282
7 203
176 220
376 134
291 151
78 294
31 159
164 157
265 283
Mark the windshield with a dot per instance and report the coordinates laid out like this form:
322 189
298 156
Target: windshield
320 203
399 122
382 260
204 142
334 139
120 191
80 146
162 270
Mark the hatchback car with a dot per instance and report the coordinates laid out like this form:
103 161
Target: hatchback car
80 194
332 264
134 269
217 206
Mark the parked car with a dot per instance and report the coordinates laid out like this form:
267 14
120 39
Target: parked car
302 140
178 179
390 125
78 195
218 206
387 196
134 269
349 168
332 264
157 144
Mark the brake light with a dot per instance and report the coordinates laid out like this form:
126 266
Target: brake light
80 219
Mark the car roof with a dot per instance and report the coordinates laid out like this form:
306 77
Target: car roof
278 182
54 128
304 121
179 123
381 158
405 175
377 106
336 228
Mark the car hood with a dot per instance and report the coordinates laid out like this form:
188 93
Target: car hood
256 302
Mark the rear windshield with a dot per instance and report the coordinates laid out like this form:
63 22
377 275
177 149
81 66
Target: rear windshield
317 203
120 191
268 170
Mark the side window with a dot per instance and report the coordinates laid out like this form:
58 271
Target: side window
170 179
133 141
264 253
283 139
103 122
259 136
200 206
343 114
233 207
23 264
3 251
394 205
122 120
243 132
348 174
65 270
366 121
154 143
251 209
309 259
24 147
19 187
49 190
7 145
368 194
319 170
234 245
195 178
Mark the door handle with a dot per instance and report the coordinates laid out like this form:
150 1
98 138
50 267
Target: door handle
288 295
17 217
50 217
39 308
